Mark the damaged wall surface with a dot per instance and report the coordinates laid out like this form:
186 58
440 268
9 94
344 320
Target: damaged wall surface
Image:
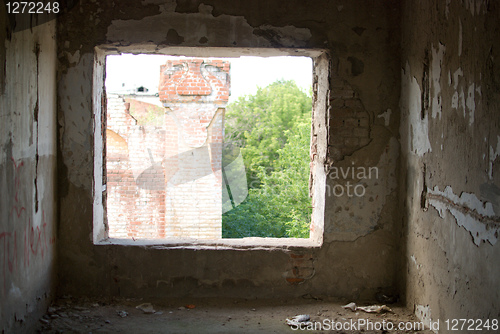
27 172
362 42
411 151
450 131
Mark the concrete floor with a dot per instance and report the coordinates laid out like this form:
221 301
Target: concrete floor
208 316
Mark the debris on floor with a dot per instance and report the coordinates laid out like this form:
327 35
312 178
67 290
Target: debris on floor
211 315
122 314
295 321
146 308
368 309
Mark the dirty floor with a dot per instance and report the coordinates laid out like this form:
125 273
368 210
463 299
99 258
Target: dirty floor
69 315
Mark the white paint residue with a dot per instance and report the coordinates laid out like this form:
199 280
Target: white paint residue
471 104
411 107
435 74
73 58
479 230
289 36
461 101
386 116
414 260
459 38
457 74
454 100
458 99
466 199
494 154
423 313
478 90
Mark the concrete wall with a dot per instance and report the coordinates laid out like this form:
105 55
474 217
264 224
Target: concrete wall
360 238
27 171
450 135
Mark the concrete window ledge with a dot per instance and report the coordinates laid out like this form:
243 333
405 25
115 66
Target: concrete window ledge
221 244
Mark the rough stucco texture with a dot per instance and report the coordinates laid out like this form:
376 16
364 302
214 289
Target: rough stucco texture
362 42
27 176
450 133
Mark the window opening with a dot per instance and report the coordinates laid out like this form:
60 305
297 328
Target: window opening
195 151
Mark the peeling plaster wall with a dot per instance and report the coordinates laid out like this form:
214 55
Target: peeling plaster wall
27 173
362 39
450 104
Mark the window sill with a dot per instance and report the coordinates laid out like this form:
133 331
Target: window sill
219 244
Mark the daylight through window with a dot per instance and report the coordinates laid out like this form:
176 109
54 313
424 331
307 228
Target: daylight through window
207 148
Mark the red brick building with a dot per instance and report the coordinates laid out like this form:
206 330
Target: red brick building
166 181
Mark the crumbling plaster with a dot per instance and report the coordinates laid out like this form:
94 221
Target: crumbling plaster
449 133
27 173
436 145
366 33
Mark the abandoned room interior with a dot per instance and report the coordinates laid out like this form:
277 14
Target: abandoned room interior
409 88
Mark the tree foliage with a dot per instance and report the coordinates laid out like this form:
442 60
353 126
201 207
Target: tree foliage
272 128
257 123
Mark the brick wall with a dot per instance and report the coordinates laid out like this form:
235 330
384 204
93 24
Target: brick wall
349 122
194 92
166 181
135 176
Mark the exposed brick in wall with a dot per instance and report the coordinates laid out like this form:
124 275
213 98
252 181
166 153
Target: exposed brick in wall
300 268
166 181
349 121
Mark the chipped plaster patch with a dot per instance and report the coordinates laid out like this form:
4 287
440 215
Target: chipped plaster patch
457 100
411 107
471 103
435 74
414 260
364 215
477 217
386 116
458 73
73 58
75 101
460 101
494 154
423 313
288 36
223 30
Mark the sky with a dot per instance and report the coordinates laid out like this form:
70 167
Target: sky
127 72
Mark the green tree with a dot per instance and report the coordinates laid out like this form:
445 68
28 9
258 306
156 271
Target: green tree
257 123
274 134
